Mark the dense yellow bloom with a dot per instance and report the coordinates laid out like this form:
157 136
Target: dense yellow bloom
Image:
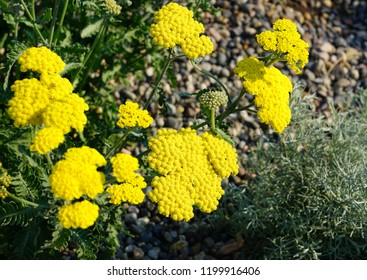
112 7
41 60
271 89
48 101
124 167
221 155
78 215
175 25
286 41
73 177
57 86
47 139
130 115
30 99
66 113
125 192
85 155
192 168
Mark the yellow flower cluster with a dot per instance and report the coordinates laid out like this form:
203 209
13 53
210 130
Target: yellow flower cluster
47 101
285 40
112 7
130 115
124 167
74 176
271 89
192 168
175 25
77 174
41 60
78 215
5 180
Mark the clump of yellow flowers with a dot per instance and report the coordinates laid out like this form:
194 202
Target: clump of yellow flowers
81 214
130 115
285 41
46 101
269 85
192 168
175 25
77 174
124 167
271 89
71 178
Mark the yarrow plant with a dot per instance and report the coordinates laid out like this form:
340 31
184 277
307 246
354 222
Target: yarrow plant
75 177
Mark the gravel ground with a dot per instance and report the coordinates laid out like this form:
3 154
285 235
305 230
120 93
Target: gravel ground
337 34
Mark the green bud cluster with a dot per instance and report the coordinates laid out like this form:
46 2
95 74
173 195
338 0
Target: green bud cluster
213 98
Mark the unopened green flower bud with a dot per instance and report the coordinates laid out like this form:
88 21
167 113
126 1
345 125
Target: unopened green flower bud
213 98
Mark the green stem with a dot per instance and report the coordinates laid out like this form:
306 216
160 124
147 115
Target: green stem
199 125
210 75
53 24
245 108
33 10
272 60
21 199
61 22
160 77
212 119
48 157
120 143
232 107
33 19
95 43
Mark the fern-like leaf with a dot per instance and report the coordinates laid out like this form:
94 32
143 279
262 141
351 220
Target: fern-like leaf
13 214
91 29
12 57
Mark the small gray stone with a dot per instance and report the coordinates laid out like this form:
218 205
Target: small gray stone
131 218
153 254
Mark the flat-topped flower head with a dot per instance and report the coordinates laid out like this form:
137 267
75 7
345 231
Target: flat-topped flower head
174 25
47 139
130 115
125 192
271 89
41 60
78 215
285 41
124 167
29 102
192 168
75 176
66 113
46 101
